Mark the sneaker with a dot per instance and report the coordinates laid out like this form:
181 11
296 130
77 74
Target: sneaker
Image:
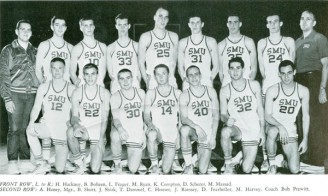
279 160
272 170
13 168
211 168
153 170
41 169
79 170
69 166
265 166
26 166
229 169
237 158
142 169
176 167
104 167
255 170
195 160
188 170
311 169
117 169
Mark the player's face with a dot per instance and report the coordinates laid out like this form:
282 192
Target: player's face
24 32
236 71
125 80
59 27
287 74
122 26
194 76
195 24
161 18
233 24
90 76
161 75
307 21
87 27
273 23
57 70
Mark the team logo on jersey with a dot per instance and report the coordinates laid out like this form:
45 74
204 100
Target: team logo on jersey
92 54
63 55
55 98
287 106
243 103
132 109
168 102
278 50
122 53
196 51
162 49
200 107
235 49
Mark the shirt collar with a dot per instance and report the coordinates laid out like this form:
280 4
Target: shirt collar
15 44
311 35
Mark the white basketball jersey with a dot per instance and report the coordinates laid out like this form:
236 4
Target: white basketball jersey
200 110
232 50
53 52
160 51
273 54
90 55
286 107
242 106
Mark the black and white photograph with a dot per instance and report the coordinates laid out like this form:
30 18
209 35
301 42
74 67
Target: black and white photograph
164 97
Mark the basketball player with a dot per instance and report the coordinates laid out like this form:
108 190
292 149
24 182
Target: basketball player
90 109
158 46
54 97
127 109
89 50
161 118
243 114
271 51
122 54
283 101
236 45
54 47
200 50
199 109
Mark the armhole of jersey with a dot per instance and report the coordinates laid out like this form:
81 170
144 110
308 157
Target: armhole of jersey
119 92
188 96
298 92
82 93
100 48
152 103
225 45
82 51
136 91
174 94
100 94
206 43
208 94
278 92
67 91
151 39
113 51
186 45
250 87
285 45
246 45
134 47
168 33
266 43
47 89
48 49
229 93
68 48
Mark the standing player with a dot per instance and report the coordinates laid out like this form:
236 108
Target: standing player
158 46
52 48
283 101
122 54
199 50
54 97
242 112
127 109
236 45
161 117
199 110
90 109
271 51
89 50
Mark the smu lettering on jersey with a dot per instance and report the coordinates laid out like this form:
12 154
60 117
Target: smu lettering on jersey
232 50
159 51
273 54
53 52
198 55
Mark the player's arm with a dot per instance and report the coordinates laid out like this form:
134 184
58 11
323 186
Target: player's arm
260 110
105 96
175 40
102 64
224 97
260 50
252 50
76 52
212 44
220 50
324 76
290 42
216 117
109 53
115 102
143 44
76 97
67 67
135 46
305 97
41 53
150 96
181 56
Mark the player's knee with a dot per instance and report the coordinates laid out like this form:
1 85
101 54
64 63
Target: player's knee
133 167
95 169
184 131
152 136
166 169
226 132
115 137
272 132
294 169
202 169
247 168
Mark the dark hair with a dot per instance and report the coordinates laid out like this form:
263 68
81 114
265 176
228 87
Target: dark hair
237 60
236 15
124 71
193 15
190 67
122 16
164 8
86 18
89 66
54 18
273 14
285 63
162 66
310 12
22 21
57 59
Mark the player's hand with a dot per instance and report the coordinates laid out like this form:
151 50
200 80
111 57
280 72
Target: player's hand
31 130
303 147
202 137
262 138
147 81
322 96
283 135
10 106
212 143
79 130
123 135
230 122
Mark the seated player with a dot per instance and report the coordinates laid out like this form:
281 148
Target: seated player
243 115
283 102
128 126
90 109
199 111
54 97
161 118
